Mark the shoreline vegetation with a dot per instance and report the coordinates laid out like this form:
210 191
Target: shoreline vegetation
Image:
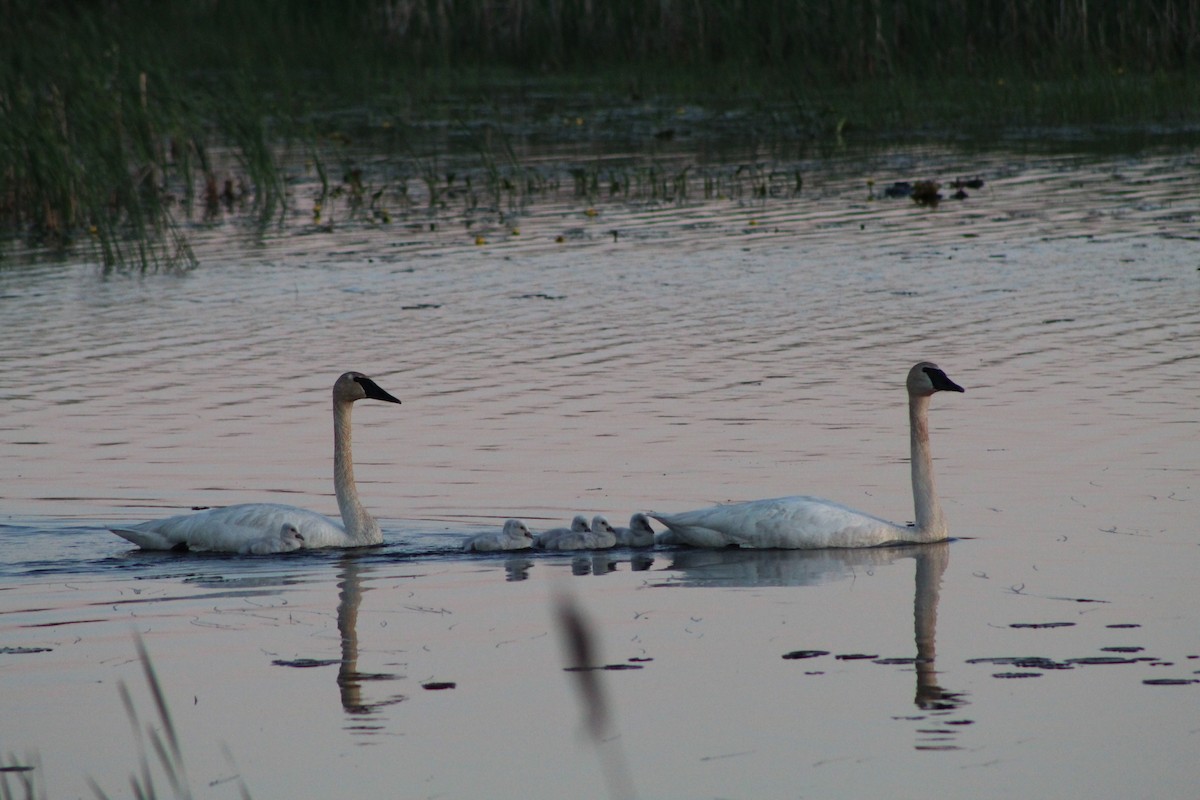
125 120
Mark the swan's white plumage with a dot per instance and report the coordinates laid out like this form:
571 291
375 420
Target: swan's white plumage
638 534
580 536
514 536
810 522
238 528
285 541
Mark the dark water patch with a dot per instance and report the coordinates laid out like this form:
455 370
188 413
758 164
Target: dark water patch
305 663
1093 660
1122 649
1024 662
20 651
1011 675
856 656
800 654
608 667
66 622
1124 625
1041 625
901 660
358 677
1170 681
439 686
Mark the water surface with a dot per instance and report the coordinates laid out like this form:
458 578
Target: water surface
720 348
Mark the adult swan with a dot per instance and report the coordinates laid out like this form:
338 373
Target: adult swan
254 527
810 522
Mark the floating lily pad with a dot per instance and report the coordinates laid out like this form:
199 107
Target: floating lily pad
1101 660
21 651
1017 675
796 654
437 686
1169 681
1041 625
855 656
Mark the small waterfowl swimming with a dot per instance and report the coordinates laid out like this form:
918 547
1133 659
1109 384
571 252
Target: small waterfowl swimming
514 536
638 534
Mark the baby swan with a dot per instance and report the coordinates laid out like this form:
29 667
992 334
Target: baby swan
572 538
514 536
638 534
810 522
233 528
287 540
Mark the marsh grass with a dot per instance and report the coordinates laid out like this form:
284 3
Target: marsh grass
159 750
161 771
126 121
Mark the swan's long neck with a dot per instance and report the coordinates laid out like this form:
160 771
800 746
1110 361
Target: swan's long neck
361 527
931 525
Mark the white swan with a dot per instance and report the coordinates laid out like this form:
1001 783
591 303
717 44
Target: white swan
285 541
810 522
514 536
603 535
638 534
572 537
598 536
232 528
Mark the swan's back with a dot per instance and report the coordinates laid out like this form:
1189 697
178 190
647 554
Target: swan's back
799 522
231 528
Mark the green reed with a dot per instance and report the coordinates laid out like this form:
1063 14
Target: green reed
127 121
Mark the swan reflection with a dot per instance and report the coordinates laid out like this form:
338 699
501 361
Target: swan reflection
349 679
751 568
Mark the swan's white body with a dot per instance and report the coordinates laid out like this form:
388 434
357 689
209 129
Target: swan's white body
514 536
240 528
285 541
638 534
580 536
810 522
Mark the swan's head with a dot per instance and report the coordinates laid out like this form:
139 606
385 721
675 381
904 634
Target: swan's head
600 524
640 523
926 378
580 524
353 386
515 529
290 536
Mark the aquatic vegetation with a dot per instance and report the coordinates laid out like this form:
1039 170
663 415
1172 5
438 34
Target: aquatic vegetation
145 118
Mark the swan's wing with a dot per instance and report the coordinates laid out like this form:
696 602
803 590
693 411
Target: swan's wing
232 529
487 542
782 522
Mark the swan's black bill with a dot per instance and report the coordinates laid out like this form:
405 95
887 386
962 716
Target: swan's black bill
375 392
940 382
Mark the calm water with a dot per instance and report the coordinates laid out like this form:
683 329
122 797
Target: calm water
723 348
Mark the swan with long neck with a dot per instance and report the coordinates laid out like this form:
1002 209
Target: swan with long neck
810 522
239 528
